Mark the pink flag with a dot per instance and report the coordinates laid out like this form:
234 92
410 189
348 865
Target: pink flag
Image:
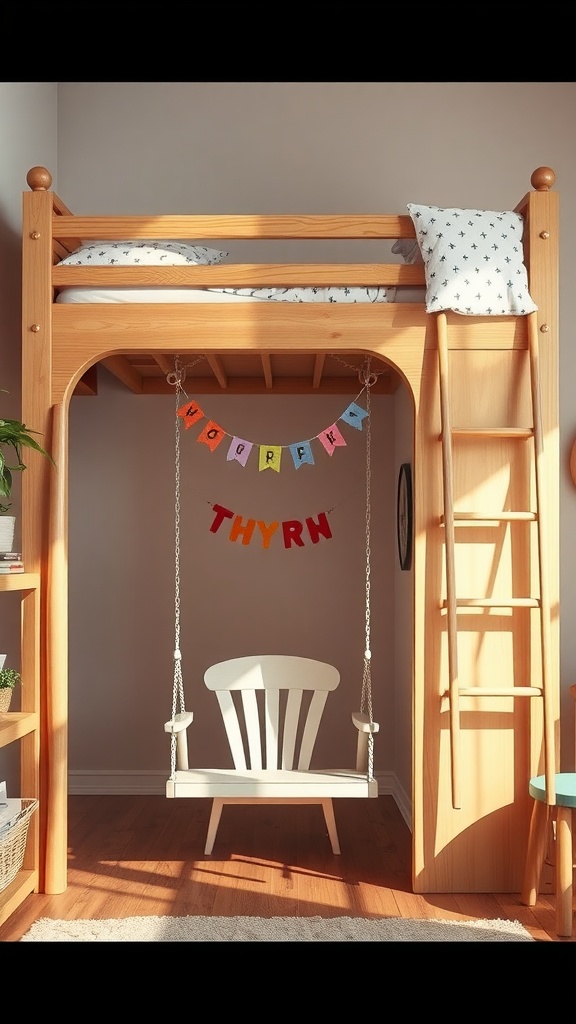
331 439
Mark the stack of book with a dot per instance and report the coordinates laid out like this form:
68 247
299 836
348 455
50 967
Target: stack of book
11 561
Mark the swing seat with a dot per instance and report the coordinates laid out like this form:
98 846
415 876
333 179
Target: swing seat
272 707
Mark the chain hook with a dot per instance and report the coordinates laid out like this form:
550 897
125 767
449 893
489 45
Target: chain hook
177 378
366 377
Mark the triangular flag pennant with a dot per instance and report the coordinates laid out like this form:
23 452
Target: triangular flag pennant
239 450
354 415
190 413
301 453
270 457
211 435
331 439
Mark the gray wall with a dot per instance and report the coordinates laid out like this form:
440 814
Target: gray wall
285 147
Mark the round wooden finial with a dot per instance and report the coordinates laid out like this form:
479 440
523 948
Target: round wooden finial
543 179
39 179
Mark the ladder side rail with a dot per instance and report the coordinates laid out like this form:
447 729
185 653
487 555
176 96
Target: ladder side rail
449 542
542 528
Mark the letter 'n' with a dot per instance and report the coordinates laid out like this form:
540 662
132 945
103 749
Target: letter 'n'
321 528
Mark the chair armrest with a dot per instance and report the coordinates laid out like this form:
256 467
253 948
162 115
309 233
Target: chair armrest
365 727
177 727
363 723
180 722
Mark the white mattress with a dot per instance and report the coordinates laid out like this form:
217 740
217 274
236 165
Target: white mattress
403 294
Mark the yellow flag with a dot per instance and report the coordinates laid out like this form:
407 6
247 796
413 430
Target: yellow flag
270 456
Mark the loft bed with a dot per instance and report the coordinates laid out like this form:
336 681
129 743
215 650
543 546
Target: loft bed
307 328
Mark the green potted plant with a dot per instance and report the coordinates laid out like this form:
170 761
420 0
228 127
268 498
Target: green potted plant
9 678
14 437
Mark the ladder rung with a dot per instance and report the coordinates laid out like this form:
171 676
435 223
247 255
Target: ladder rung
511 433
494 602
504 691
492 517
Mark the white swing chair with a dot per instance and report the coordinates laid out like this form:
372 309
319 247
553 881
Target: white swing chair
271 707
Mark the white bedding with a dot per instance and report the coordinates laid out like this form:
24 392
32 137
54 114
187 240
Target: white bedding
166 252
403 294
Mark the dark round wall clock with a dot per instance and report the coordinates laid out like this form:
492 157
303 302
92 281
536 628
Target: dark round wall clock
404 524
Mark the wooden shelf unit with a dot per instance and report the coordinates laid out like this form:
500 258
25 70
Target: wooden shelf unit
24 727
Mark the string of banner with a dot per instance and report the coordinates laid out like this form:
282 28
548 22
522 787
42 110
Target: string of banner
246 530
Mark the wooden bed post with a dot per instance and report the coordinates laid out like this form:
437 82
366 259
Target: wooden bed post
43 519
540 210
56 619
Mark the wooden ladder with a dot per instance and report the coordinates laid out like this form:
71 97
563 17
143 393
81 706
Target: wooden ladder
452 603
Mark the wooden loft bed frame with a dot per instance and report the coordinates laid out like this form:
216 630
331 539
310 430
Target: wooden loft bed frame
289 349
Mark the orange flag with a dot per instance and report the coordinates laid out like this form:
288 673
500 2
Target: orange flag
211 435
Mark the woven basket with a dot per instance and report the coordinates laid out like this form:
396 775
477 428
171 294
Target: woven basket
5 698
13 844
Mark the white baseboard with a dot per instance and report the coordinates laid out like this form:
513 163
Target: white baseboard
388 785
145 783
116 783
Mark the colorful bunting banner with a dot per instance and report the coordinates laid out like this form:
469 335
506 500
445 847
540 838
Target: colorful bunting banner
270 455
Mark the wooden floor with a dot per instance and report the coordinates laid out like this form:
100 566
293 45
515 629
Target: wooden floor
143 855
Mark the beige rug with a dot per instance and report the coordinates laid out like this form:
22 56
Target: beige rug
275 929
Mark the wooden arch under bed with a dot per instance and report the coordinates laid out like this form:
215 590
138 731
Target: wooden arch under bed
479 846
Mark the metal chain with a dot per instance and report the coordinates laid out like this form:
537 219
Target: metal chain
368 379
176 379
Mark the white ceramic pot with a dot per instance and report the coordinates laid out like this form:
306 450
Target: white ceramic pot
7 527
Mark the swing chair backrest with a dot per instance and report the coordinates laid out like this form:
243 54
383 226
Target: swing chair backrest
272 706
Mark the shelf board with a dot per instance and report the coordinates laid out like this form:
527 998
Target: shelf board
13 895
16 724
19 581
